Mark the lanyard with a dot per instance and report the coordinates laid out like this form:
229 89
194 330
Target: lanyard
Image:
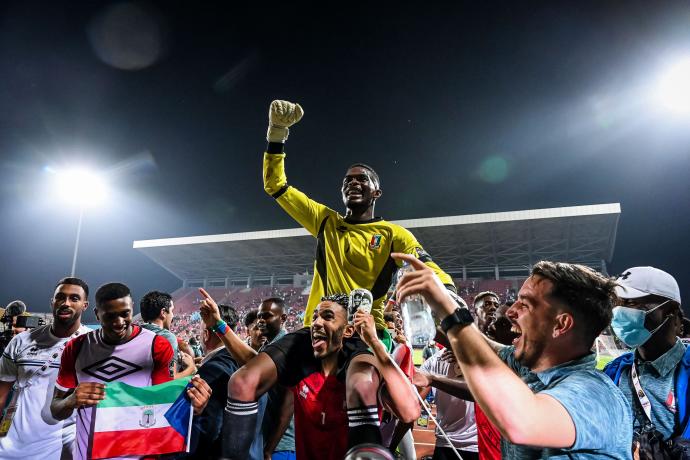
641 395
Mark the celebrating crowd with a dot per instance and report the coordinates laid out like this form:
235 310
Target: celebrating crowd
514 381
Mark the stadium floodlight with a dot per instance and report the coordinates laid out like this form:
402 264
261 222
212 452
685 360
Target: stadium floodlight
82 187
673 90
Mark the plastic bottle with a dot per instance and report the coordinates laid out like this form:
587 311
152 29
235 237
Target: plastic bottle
417 320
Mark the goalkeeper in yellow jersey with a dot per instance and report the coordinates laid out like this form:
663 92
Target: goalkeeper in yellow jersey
352 251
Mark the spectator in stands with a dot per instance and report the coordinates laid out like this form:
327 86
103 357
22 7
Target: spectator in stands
149 358
157 312
278 424
544 393
216 368
196 347
30 361
485 305
255 338
339 261
322 420
654 376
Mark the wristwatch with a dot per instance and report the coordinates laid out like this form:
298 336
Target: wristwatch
460 317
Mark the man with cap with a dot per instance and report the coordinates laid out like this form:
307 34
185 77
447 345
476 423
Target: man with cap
654 376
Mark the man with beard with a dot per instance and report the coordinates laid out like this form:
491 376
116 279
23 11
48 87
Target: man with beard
30 363
321 419
543 393
142 357
352 251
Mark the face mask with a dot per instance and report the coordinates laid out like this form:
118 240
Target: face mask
628 325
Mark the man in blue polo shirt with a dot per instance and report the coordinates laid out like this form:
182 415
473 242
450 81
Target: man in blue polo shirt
543 393
648 319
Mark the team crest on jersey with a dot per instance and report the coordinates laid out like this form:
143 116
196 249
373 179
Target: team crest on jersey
304 391
375 241
148 417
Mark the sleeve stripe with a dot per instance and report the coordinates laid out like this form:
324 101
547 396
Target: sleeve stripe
61 388
280 192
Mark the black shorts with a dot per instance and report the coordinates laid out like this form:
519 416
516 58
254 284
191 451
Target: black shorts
294 358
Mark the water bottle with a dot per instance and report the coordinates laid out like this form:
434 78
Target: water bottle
417 320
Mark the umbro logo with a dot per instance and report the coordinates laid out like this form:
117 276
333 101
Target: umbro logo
625 275
111 368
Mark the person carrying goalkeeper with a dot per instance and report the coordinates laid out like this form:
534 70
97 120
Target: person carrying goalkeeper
352 251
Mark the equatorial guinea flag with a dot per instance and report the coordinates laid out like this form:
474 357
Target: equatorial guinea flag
136 421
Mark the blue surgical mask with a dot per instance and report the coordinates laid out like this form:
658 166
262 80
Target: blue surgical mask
628 325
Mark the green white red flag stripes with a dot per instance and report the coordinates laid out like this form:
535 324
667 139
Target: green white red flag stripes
135 421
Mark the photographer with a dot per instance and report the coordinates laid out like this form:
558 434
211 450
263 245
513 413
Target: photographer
15 320
29 365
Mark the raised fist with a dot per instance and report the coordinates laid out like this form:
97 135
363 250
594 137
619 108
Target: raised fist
282 115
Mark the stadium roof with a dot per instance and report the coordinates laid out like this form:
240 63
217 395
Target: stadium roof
470 245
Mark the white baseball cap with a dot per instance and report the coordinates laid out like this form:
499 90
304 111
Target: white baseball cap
639 282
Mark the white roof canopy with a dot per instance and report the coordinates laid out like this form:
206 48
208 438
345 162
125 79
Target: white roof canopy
462 245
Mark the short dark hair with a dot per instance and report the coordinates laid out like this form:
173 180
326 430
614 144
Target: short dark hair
250 317
75 282
111 291
152 303
229 315
341 299
481 295
276 300
389 317
370 169
587 294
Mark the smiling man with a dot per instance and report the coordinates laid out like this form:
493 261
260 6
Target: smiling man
352 251
321 418
117 352
30 363
543 393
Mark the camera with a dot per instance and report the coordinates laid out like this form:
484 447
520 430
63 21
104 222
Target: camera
15 317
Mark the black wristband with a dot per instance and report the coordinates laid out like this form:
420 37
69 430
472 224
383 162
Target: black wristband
275 147
460 317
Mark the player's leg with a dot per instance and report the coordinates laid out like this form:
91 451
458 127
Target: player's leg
362 384
240 419
285 361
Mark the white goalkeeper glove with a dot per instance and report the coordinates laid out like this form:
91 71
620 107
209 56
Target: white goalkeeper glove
282 115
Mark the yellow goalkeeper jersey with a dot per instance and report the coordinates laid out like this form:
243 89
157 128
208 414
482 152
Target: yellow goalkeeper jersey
349 254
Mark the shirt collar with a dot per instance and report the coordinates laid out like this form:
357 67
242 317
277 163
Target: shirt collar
211 354
668 361
549 375
279 335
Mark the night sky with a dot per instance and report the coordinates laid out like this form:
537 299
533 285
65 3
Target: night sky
461 108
